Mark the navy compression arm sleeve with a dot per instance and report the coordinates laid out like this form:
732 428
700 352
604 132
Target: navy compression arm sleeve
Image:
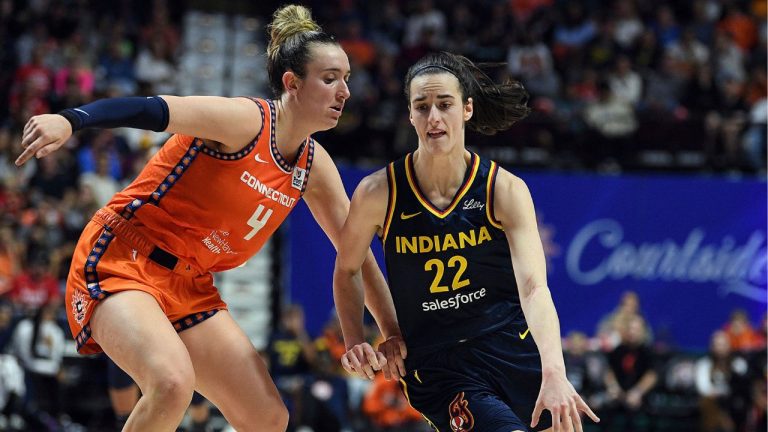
150 113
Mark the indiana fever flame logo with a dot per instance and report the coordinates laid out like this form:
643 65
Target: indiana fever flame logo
461 418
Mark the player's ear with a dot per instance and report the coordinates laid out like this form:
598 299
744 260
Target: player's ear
468 109
291 82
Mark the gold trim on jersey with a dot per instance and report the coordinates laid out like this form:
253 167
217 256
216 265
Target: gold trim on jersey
392 201
425 202
408 398
490 196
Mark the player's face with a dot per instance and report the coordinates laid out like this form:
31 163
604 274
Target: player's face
323 91
437 111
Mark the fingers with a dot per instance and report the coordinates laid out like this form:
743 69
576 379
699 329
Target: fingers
395 356
566 416
23 157
400 364
396 365
394 351
390 370
582 406
43 135
29 125
382 360
355 363
370 354
352 364
362 360
403 351
387 371
575 418
555 419
45 151
537 413
31 150
364 369
34 129
35 143
29 136
368 371
345 364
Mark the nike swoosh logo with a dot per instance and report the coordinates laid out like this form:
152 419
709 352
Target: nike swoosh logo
523 335
404 216
258 159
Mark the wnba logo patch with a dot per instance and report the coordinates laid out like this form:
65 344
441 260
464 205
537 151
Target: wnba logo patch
299 175
79 305
461 417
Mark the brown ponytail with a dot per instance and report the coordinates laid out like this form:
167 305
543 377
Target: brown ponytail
496 106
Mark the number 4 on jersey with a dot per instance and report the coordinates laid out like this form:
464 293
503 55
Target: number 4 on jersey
257 222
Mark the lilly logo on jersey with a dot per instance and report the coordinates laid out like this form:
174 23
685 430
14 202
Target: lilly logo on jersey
472 204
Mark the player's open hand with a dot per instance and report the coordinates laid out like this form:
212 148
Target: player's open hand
395 352
559 397
43 134
363 361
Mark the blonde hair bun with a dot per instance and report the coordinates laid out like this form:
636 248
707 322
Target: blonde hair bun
286 22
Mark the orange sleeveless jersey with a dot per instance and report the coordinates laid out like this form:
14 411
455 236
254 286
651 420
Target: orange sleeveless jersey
216 210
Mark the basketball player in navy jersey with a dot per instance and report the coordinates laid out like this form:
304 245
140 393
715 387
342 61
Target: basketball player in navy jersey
480 347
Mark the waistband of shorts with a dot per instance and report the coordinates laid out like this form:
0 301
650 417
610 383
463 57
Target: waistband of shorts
418 353
128 233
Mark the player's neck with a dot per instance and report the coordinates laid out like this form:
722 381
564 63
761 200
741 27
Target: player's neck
441 174
290 131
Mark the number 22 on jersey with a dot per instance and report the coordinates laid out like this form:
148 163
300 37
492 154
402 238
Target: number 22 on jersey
439 267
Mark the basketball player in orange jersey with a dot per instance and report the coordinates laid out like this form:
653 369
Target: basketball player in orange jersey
480 347
140 287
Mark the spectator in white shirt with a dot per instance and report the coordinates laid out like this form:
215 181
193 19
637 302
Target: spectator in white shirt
625 83
716 375
39 344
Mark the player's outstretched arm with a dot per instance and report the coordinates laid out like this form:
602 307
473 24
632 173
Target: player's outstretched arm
233 122
329 204
351 232
514 208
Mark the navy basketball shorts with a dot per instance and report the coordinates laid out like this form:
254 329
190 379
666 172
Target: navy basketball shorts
485 384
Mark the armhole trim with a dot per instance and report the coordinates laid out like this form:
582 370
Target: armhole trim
391 202
491 193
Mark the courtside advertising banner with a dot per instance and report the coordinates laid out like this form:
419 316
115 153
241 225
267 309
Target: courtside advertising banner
694 249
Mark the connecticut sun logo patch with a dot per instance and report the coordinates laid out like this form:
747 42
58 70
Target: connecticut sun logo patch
461 417
79 305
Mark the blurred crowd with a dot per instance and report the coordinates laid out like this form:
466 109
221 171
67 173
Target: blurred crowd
615 86
637 381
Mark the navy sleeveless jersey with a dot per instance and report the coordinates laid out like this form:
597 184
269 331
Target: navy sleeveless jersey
449 270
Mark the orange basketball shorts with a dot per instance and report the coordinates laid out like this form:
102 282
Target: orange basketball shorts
103 264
